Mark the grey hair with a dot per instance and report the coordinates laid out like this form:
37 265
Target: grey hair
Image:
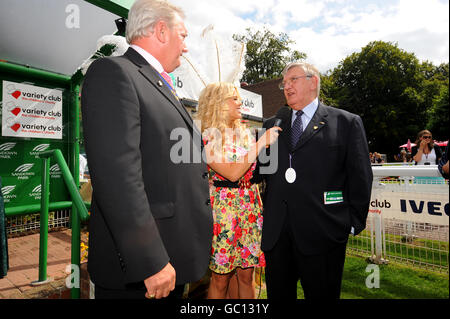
144 14
309 69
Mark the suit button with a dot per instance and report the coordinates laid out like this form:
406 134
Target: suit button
208 202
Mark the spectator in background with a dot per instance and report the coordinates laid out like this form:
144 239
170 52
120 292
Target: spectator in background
443 164
405 156
371 158
377 158
427 153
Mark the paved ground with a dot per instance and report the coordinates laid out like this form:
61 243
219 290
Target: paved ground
24 266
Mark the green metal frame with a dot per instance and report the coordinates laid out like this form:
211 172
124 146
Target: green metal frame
70 170
79 213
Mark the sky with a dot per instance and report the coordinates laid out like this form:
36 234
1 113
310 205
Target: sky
328 30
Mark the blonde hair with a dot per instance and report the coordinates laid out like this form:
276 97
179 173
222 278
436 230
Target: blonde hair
144 14
213 111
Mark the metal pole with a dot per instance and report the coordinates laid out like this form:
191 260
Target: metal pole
378 240
43 224
29 73
35 208
76 223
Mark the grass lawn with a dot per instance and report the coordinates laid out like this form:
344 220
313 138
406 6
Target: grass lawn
396 282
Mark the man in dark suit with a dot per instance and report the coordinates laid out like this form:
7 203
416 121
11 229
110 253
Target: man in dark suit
319 194
151 222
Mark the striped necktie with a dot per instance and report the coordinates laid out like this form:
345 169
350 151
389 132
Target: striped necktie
168 79
297 129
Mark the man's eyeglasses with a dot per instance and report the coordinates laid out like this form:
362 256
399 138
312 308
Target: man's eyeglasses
292 80
426 137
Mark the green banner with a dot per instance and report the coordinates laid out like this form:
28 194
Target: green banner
20 167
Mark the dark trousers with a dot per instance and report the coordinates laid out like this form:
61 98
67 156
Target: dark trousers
133 291
320 275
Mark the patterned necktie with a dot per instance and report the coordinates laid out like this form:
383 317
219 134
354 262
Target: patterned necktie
297 129
167 78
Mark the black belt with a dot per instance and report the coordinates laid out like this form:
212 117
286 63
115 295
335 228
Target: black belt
234 184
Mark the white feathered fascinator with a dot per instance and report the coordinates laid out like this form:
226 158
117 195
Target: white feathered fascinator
223 61
107 45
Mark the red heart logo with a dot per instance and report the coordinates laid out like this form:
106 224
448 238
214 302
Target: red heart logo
16 111
15 127
16 94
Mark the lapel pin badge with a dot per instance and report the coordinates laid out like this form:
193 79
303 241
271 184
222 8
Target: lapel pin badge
160 83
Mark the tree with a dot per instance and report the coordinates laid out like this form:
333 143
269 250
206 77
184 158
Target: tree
389 89
267 54
439 115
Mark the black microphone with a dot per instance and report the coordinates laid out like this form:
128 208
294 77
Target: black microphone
282 116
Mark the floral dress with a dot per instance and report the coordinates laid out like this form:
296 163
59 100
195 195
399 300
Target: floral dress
238 219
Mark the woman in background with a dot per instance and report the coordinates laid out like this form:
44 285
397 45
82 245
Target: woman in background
427 153
231 153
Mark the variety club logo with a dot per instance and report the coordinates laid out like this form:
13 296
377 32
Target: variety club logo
16 94
16 111
23 171
6 150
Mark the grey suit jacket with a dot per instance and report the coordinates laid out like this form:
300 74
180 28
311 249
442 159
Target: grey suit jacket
147 210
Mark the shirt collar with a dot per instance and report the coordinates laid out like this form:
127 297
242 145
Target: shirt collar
149 58
310 109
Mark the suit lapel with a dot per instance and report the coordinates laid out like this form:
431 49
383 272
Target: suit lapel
318 122
153 77
286 132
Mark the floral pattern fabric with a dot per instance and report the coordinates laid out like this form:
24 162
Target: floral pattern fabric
238 219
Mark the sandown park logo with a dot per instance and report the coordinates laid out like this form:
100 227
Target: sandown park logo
55 168
8 189
8 193
6 151
39 148
36 192
7 146
55 171
23 171
24 168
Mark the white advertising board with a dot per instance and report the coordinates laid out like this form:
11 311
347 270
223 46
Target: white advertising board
418 207
31 111
189 85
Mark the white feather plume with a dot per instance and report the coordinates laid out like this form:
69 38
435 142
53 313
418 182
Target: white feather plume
222 61
120 47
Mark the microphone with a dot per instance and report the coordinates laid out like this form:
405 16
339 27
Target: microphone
282 115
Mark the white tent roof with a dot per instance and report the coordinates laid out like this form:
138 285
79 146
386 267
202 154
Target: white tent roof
53 35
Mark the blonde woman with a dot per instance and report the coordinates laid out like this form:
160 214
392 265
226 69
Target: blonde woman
231 153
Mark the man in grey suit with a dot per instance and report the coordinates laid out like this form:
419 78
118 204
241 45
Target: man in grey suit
319 194
151 221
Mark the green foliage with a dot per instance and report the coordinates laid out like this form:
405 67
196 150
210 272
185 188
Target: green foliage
438 113
267 54
392 92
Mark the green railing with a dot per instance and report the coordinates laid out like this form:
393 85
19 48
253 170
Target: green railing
79 213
